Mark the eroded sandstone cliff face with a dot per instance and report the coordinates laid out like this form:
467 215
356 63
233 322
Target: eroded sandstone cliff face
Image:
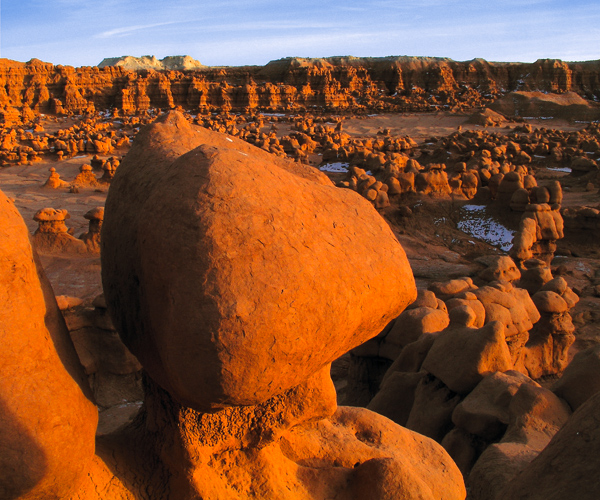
388 83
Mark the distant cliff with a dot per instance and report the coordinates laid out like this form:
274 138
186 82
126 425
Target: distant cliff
343 83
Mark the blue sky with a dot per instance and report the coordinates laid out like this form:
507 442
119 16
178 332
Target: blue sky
235 32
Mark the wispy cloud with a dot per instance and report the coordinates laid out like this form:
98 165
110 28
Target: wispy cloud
125 31
272 26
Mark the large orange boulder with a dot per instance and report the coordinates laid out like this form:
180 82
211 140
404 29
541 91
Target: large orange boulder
47 421
233 275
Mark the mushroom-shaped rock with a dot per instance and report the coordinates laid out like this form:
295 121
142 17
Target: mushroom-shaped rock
52 236
51 220
97 215
226 269
92 237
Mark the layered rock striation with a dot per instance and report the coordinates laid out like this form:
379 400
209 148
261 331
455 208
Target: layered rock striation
389 83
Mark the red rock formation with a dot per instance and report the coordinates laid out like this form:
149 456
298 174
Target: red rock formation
267 191
254 315
92 237
389 83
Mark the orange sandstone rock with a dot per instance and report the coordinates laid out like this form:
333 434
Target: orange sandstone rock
461 357
47 421
54 181
250 259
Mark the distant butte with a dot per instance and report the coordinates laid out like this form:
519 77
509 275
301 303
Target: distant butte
169 63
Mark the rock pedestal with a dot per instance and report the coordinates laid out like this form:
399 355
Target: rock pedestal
92 237
52 235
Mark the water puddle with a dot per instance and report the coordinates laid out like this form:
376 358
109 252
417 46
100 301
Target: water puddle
336 167
476 222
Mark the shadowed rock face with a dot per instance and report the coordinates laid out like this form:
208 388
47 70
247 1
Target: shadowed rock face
219 256
567 466
42 401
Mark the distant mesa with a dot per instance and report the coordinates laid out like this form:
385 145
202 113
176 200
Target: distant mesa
173 63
